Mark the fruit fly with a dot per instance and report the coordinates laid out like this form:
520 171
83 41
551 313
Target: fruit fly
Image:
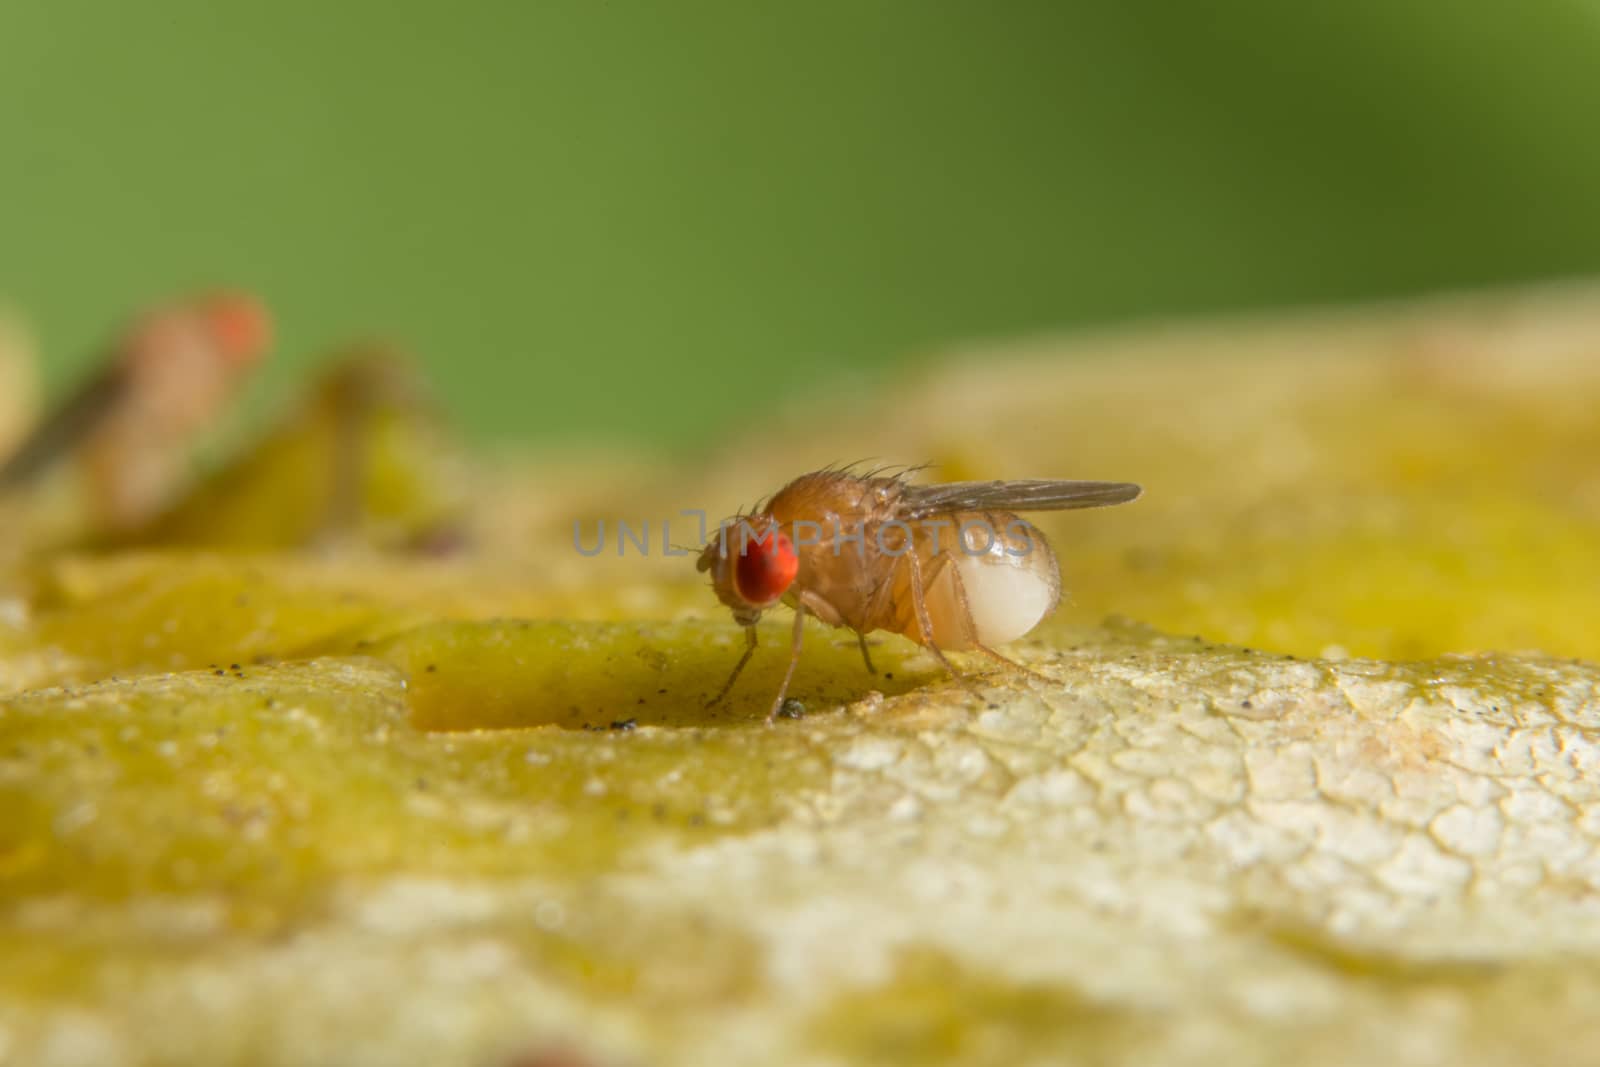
172 372
951 566
363 459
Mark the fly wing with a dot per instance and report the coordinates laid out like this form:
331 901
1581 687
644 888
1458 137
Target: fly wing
63 429
921 501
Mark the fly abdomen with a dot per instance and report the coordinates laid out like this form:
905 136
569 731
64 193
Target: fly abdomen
989 579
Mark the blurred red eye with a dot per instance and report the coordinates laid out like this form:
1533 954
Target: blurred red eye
241 325
766 567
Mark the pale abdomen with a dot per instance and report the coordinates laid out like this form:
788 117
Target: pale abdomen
987 586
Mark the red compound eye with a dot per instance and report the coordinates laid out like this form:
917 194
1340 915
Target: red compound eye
241 325
766 567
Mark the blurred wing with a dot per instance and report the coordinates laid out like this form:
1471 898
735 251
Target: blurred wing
921 501
63 429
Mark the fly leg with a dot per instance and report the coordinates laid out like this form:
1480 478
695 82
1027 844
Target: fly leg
794 660
342 514
966 615
339 523
738 668
925 624
865 656
1013 664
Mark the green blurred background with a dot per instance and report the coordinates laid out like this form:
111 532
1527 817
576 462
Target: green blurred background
649 220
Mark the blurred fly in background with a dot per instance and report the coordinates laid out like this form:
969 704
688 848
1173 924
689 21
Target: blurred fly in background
171 374
362 458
